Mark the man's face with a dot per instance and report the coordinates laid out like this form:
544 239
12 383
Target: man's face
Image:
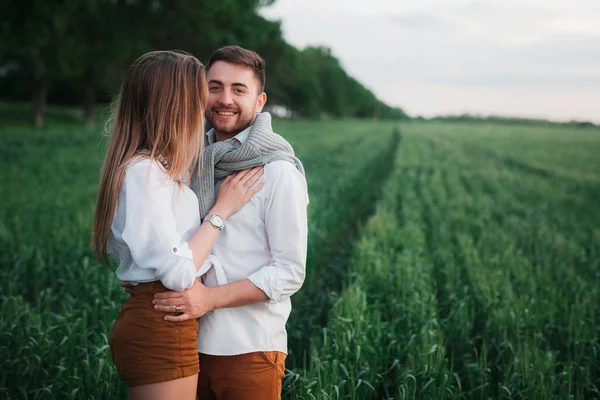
234 97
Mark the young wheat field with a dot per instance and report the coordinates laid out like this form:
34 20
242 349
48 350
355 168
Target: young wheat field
446 261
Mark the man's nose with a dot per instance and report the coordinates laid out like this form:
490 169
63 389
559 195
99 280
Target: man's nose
225 97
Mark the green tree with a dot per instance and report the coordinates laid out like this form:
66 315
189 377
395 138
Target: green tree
35 36
80 48
109 34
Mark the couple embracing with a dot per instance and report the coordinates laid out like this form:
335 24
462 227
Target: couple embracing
209 229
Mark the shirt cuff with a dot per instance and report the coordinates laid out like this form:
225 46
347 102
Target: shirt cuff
267 279
213 261
182 250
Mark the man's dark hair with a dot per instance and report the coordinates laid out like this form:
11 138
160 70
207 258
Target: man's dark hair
239 56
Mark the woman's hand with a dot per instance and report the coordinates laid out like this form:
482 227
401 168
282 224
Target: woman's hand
236 190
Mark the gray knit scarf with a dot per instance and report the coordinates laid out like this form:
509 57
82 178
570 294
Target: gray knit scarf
223 158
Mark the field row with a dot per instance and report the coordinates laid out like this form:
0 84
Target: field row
475 278
569 152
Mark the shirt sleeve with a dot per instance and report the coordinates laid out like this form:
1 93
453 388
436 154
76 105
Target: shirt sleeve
150 231
287 232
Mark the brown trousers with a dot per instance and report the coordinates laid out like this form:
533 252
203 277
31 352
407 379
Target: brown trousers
252 376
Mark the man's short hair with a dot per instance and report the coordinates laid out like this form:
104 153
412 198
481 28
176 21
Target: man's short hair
240 56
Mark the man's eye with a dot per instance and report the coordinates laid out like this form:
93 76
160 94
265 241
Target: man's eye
213 88
239 91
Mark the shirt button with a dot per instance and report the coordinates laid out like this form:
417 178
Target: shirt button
174 249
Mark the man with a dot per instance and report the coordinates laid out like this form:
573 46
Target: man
242 341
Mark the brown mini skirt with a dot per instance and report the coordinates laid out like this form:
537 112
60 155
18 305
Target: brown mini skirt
146 348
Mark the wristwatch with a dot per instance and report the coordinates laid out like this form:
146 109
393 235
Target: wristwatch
216 220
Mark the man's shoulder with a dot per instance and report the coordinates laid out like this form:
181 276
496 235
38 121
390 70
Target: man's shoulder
277 170
283 175
282 166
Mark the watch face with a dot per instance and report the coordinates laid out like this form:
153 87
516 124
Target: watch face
218 220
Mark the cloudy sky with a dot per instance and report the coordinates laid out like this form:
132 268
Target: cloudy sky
533 58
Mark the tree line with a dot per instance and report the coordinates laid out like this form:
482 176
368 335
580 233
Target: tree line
508 120
76 51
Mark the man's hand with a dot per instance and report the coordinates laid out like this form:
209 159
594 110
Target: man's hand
193 302
127 286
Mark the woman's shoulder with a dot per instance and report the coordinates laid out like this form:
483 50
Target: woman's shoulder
142 167
139 161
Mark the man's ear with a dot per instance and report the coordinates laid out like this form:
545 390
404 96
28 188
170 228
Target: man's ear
260 102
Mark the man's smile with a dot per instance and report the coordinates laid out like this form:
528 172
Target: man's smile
225 113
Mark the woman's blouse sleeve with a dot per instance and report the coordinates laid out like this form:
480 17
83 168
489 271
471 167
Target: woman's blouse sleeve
150 231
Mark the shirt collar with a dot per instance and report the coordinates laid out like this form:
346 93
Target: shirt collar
237 140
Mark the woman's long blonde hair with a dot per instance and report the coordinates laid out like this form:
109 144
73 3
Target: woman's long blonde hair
159 112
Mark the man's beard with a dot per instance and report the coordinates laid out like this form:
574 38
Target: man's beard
243 121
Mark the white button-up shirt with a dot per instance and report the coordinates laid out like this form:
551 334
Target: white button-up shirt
266 242
153 221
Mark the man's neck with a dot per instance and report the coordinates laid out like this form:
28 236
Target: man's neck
219 136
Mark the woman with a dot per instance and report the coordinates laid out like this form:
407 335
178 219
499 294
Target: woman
148 219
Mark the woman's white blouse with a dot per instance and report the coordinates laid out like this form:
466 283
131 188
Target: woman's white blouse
153 221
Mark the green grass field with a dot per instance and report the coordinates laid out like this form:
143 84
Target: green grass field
446 260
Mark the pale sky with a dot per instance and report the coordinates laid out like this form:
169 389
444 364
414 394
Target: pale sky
530 58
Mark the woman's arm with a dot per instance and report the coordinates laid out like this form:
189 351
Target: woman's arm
150 231
234 192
